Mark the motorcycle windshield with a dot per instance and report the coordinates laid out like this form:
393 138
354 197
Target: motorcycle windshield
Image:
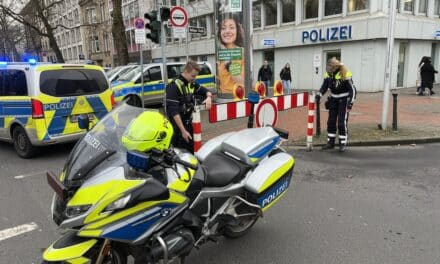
100 144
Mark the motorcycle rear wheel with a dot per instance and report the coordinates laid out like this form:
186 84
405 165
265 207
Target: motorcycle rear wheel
240 227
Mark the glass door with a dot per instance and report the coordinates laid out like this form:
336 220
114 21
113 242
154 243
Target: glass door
401 63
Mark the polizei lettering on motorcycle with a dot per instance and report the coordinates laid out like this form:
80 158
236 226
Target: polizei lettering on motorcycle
274 193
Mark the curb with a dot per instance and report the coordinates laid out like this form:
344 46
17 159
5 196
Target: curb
378 142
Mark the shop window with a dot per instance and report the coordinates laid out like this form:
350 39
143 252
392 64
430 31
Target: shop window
332 7
311 8
256 14
355 5
288 11
270 7
408 5
423 4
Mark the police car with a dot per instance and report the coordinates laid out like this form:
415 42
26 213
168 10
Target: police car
129 87
40 103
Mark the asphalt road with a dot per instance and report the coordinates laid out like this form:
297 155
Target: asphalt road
369 205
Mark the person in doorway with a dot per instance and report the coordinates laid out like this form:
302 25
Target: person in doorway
419 76
265 74
286 78
231 37
427 72
179 104
339 102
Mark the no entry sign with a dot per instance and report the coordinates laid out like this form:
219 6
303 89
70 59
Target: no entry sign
267 113
178 16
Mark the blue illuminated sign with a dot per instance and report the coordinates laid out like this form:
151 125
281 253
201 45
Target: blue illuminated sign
327 34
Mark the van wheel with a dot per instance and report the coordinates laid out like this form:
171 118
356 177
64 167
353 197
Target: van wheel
134 101
22 144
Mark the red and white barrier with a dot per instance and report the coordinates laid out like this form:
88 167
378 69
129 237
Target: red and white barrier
234 110
311 121
197 129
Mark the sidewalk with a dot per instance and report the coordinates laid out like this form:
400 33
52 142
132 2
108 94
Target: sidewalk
418 121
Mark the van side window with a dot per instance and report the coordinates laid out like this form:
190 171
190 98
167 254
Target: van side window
14 83
1 83
174 71
204 69
155 74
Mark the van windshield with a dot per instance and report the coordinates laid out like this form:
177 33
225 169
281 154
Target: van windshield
72 82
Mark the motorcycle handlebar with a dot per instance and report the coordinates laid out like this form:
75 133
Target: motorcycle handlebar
186 164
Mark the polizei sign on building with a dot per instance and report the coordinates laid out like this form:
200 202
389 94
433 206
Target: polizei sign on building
327 34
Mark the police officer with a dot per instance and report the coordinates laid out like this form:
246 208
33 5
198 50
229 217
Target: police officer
179 104
339 103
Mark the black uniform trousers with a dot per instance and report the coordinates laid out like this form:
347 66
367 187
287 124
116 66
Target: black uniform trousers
337 114
178 141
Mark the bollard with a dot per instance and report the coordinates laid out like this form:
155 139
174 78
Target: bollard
318 117
197 129
394 92
311 121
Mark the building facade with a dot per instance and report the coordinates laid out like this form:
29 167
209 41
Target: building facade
305 33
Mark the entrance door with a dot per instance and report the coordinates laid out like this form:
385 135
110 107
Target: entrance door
332 54
401 63
269 55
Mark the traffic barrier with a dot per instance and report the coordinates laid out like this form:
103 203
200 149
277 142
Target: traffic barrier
234 110
311 121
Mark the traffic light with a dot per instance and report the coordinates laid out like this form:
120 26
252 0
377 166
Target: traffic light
154 26
164 14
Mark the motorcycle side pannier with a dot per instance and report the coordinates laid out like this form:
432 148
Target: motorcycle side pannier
270 180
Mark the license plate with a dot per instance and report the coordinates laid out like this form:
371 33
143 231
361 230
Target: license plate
74 118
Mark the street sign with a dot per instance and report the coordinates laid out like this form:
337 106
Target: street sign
139 31
269 42
197 30
178 16
267 113
179 32
139 23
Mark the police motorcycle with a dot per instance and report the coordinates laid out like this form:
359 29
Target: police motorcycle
124 191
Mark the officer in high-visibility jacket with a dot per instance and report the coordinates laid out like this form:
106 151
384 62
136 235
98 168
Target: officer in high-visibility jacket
339 102
179 104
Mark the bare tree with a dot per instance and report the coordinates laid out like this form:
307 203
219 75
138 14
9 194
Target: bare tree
11 35
118 31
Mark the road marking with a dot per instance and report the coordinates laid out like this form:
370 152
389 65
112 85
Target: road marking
18 230
29 175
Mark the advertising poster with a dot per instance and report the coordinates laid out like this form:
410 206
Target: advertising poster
230 48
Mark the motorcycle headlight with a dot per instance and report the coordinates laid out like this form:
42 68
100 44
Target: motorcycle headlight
118 204
73 211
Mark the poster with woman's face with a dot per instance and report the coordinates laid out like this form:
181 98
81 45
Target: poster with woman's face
229 41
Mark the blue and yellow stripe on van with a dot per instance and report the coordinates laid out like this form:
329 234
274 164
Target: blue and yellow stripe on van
123 89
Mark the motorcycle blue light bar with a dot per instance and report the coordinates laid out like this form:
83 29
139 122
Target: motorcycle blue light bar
138 160
253 97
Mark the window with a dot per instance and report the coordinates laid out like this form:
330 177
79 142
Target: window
202 23
332 7
311 8
153 74
423 6
270 8
68 82
256 14
14 82
288 11
355 5
437 7
174 71
408 5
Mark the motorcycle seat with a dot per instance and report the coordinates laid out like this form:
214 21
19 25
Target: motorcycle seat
222 170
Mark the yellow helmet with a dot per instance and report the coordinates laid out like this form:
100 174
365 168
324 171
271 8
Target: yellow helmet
147 131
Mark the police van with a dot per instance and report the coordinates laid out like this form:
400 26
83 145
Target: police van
40 103
129 87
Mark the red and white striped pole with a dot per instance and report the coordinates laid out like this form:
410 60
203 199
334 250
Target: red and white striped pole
197 129
311 121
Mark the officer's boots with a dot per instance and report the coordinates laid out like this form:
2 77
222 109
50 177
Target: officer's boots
330 144
342 147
